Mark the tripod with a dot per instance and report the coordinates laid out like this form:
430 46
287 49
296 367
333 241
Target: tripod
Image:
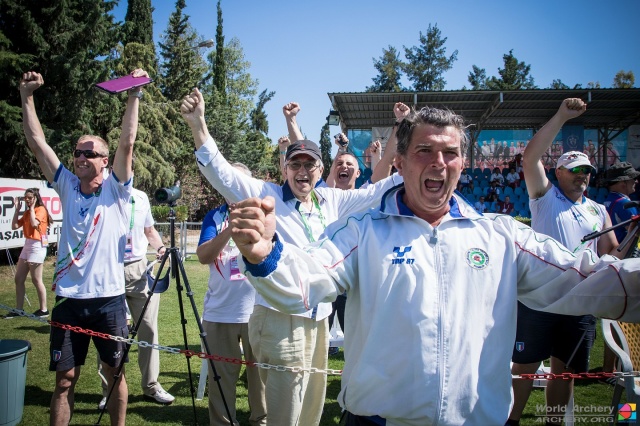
179 274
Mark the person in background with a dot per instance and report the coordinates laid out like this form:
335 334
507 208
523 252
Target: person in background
506 206
89 275
497 177
563 213
465 178
620 180
493 188
480 205
35 223
468 190
513 178
141 234
493 203
228 304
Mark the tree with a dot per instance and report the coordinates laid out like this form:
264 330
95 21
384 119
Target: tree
72 44
161 156
219 65
258 116
325 149
593 85
138 27
624 80
182 68
478 78
558 84
514 75
428 62
389 68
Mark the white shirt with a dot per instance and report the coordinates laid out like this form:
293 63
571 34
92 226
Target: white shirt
229 297
555 215
92 239
292 226
142 218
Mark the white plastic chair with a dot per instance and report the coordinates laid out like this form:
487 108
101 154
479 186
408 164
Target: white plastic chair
628 353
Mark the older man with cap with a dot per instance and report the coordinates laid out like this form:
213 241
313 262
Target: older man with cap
564 213
299 342
620 179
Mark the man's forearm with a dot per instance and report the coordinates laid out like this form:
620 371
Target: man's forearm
200 132
294 130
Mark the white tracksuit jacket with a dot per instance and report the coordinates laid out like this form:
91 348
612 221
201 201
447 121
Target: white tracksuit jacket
431 312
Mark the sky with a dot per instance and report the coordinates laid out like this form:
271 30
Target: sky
303 50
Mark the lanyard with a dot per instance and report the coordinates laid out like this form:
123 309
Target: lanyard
307 228
133 212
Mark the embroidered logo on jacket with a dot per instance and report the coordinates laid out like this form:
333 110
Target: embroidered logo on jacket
399 253
519 346
477 258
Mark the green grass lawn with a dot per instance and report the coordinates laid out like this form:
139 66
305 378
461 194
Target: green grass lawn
174 374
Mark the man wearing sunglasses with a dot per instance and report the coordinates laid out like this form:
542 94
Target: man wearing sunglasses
89 276
304 211
564 213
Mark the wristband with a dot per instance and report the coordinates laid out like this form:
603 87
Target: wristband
159 248
136 94
283 152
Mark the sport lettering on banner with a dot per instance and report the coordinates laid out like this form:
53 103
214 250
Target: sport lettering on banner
11 188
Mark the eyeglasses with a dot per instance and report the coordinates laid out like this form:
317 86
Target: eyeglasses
309 166
580 169
88 153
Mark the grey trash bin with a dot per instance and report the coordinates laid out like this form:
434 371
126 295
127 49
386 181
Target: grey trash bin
13 375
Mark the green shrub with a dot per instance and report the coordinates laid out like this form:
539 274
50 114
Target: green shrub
161 213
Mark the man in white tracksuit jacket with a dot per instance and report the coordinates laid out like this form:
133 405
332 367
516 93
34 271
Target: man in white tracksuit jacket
433 286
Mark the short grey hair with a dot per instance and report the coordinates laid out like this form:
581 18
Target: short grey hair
435 117
244 168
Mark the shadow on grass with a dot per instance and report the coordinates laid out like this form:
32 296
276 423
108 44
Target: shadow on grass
35 327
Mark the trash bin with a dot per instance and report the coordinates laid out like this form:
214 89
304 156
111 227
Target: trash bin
13 375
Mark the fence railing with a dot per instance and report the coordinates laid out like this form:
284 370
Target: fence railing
187 235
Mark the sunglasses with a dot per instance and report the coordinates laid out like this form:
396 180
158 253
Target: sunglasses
310 166
88 153
580 169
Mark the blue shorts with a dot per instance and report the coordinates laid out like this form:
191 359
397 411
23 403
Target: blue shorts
69 349
541 335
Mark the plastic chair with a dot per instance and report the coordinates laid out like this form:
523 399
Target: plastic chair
592 192
477 191
518 190
508 191
486 172
524 213
628 353
484 183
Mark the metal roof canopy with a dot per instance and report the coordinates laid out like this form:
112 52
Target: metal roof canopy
607 109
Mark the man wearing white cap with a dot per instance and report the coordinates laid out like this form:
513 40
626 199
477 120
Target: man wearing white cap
564 213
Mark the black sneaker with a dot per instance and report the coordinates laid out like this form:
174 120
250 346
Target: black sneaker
41 314
11 315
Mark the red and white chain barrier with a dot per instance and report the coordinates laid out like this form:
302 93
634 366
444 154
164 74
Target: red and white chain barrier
328 371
